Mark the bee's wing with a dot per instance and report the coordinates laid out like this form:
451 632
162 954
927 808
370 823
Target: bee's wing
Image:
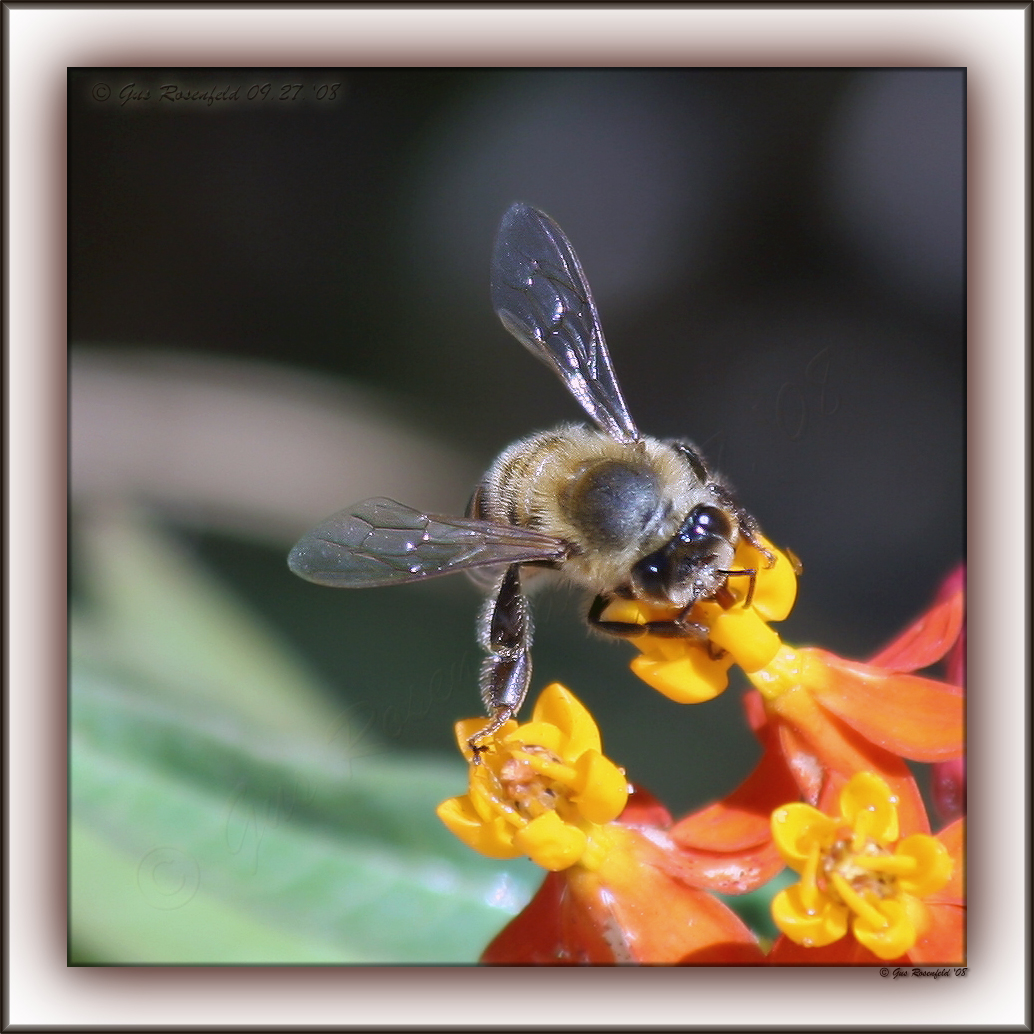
540 293
381 542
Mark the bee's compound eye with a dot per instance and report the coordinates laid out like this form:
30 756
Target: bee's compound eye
705 522
650 575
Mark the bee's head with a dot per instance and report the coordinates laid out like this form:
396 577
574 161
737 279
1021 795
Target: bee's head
693 564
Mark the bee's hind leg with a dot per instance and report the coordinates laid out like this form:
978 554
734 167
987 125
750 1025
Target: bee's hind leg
504 633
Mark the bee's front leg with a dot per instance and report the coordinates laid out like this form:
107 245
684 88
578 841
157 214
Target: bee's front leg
678 627
504 633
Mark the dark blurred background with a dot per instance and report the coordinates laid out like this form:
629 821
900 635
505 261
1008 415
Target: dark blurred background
778 261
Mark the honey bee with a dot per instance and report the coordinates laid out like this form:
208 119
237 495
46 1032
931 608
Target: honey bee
608 508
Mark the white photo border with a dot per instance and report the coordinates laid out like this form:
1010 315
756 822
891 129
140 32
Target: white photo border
43 41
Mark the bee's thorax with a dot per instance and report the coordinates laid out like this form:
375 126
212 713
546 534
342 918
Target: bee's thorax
613 502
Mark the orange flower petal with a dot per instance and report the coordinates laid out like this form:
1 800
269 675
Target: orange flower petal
845 952
725 953
822 753
928 638
665 923
944 942
536 935
733 872
754 709
743 819
803 762
917 718
643 809
628 911
652 914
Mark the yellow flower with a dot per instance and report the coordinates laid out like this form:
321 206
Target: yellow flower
542 789
856 872
691 671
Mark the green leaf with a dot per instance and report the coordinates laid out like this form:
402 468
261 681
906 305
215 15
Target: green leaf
156 613
213 824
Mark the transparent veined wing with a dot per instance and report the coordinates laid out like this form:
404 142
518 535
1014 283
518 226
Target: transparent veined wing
382 542
542 297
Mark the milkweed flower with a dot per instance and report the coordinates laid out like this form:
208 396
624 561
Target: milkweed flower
827 715
543 789
615 892
860 876
627 884
809 752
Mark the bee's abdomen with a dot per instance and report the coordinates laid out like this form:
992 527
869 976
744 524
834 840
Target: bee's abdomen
517 486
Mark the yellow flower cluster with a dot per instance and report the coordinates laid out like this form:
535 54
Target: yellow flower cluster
543 789
691 671
856 872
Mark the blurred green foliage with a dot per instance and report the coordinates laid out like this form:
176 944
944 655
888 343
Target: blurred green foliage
226 808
